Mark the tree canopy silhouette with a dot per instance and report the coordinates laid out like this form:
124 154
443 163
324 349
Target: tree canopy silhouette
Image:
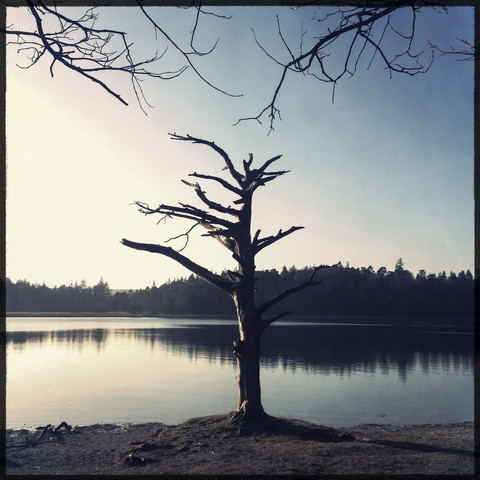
231 226
348 291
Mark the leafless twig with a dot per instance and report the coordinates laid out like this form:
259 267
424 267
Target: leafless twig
186 235
363 26
79 45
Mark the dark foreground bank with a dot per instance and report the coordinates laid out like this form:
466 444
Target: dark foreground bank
207 445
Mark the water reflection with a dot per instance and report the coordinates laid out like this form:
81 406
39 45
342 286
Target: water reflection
313 348
140 370
346 349
76 337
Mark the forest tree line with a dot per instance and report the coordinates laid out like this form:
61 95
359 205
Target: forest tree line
346 291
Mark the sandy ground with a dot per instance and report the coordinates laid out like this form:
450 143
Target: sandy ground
207 445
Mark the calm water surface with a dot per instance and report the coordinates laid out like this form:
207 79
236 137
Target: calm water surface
115 370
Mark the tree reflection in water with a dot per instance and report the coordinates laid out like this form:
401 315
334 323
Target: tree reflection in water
313 348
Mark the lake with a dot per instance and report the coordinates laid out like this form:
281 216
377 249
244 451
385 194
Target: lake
340 372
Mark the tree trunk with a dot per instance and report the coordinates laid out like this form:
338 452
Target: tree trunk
247 351
247 347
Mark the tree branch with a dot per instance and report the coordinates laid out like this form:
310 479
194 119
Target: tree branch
221 181
234 173
79 46
262 169
267 177
185 211
210 203
186 234
183 53
207 275
468 53
357 19
260 243
60 57
269 321
290 291
226 237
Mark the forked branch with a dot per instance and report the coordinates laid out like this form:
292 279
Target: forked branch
77 44
356 25
468 53
260 243
185 234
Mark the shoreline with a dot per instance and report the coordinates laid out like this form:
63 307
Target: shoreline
294 318
112 315
208 445
33 430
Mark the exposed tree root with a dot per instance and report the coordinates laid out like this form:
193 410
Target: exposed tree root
250 418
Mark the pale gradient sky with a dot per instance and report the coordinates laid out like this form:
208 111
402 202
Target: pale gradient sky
384 172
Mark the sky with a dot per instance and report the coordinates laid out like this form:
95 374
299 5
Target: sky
384 172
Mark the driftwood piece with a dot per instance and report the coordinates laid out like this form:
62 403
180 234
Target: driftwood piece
62 425
46 429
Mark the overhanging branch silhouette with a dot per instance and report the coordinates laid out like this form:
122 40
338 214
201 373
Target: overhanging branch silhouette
207 275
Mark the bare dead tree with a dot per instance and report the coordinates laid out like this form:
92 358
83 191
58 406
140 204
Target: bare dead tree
231 226
77 44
